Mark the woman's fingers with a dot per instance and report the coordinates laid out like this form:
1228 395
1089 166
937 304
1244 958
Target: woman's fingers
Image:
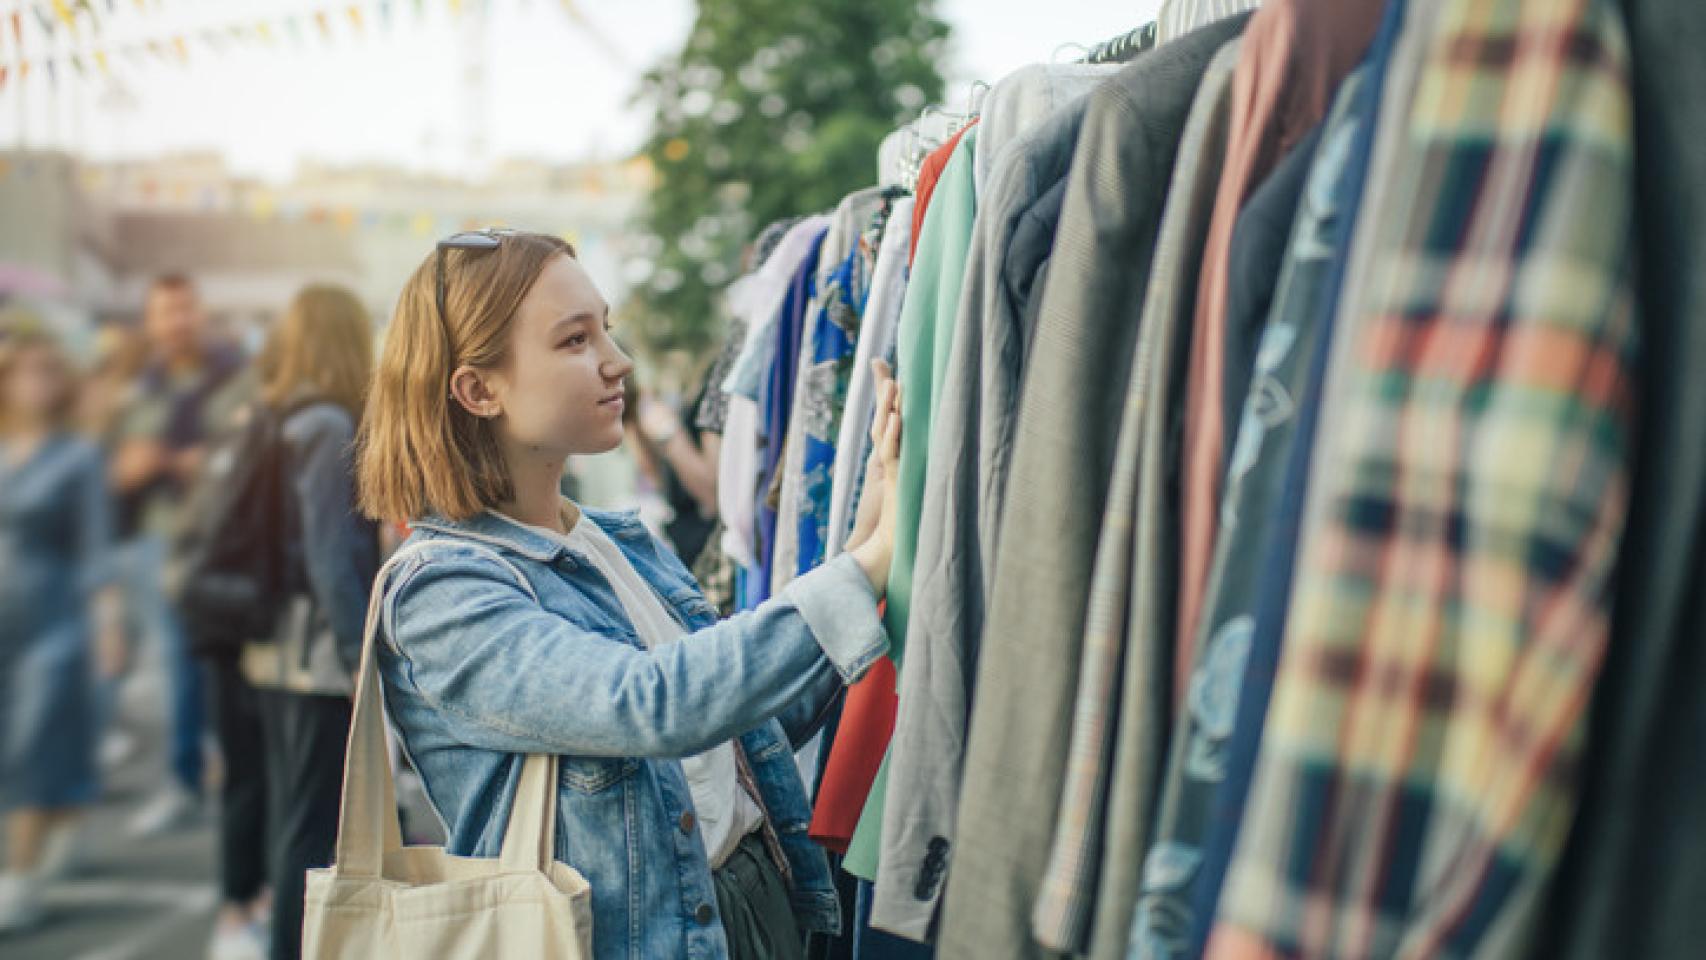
891 431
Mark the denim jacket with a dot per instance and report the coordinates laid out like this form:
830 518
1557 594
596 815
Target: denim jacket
479 673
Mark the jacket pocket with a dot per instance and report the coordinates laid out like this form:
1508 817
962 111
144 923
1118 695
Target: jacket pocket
595 774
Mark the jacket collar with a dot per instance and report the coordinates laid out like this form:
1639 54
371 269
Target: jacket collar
496 530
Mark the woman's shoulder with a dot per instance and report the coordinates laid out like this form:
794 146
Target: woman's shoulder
311 419
453 560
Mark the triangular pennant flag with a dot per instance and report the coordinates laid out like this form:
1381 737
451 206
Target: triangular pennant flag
456 7
77 64
324 22
420 8
264 31
181 48
45 19
63 11
355 18
157 48
23 70
101 61
3 72
18 29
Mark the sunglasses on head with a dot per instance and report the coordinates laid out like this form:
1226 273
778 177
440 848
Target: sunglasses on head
487 239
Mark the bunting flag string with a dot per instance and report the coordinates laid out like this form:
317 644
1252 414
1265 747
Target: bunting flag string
60 37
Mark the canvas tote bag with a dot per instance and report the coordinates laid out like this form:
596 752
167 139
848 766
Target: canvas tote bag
381 900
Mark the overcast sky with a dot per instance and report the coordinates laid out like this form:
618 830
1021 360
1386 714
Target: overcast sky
398 95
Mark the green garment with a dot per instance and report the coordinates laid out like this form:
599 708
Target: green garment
923 340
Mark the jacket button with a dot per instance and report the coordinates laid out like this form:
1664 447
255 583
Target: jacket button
704 915
688 823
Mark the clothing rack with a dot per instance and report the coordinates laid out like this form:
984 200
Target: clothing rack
1123 47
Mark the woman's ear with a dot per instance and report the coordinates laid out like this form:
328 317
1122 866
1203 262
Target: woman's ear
470 388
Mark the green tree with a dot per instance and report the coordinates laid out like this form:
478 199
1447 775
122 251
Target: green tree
773 108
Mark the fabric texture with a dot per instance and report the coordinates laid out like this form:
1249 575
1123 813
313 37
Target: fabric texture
972 430
1295 54
1125 691
1634 873
1451 604
1061 462
1196 758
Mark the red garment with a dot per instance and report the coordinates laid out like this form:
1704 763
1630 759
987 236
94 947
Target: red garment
928 174
867 722
1293 56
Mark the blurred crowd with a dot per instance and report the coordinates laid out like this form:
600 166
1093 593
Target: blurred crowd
111 472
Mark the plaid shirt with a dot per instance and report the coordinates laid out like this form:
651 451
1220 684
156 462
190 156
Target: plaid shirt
1451 603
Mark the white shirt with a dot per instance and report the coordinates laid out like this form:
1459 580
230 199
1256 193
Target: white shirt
725 811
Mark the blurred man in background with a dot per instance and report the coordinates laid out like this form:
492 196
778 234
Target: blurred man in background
160 443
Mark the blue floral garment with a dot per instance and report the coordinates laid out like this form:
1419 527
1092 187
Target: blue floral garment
835 343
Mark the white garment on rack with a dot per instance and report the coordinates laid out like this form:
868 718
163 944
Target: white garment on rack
757 299
1023 99
876 340
1179 17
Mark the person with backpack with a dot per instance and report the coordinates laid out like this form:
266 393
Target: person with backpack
322 555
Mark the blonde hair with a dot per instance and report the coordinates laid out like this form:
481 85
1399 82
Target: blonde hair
20 341
323 347
420 452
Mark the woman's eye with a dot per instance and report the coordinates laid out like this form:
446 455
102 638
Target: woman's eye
578 340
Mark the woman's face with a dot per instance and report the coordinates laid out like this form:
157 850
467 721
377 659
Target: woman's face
561 389
36 386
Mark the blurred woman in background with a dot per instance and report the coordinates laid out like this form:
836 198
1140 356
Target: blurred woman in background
55 544
317 365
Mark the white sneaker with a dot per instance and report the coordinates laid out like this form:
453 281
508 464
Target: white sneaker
117 749
237 943
20 902
62 854
170 808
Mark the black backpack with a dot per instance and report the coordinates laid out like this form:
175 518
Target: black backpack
231 551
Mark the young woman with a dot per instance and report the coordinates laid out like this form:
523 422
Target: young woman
525 624
318 363
55 596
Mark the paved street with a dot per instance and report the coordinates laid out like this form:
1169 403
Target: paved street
133 899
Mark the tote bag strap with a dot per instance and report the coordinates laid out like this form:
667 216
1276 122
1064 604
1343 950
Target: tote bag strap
368 828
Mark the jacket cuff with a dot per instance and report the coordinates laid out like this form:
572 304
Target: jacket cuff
840 607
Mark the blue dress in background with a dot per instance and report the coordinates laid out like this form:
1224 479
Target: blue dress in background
55 530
